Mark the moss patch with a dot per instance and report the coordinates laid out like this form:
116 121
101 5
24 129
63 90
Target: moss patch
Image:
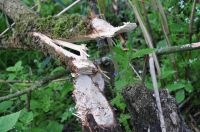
64 27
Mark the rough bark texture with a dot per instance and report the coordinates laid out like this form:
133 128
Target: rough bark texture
142 106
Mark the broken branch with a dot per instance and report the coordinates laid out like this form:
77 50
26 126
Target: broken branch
181 48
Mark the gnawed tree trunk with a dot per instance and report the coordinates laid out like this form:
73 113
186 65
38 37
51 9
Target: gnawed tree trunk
144 113
93 109
32 32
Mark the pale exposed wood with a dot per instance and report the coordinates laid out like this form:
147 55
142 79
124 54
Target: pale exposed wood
88 84
90 100
103 29
81 48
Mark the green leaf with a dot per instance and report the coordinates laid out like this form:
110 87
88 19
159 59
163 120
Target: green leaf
124 117
46 103
120 83
124 120
66 115
142 52
5 105
167 72
11 76
180 95
34 104
8 122
188 87
57 70
2 22
46 9
26 117
54 126
161 44
67 88
37 129
17 67
118 101
175 86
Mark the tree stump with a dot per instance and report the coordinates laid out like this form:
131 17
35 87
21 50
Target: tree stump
144 113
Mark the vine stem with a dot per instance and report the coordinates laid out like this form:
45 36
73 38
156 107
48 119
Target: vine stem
67 8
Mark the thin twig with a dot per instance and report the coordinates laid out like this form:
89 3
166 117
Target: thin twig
156 92
61 79
193 123
184 102
28 95
192 20
189 54
135 71
7 29
144 71
28 100
15 81
33 87
67 8
197 114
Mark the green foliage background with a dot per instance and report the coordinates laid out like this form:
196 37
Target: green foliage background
52 106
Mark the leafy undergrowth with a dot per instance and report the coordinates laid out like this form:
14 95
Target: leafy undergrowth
45 109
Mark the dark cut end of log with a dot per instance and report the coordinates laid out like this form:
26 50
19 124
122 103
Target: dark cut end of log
144 113
93 127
